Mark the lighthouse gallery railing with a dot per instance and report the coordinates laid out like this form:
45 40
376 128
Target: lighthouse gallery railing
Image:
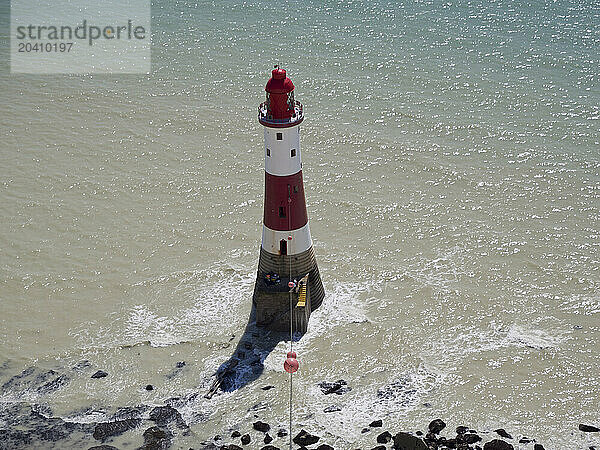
298 116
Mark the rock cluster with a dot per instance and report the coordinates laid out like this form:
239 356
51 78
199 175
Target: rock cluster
33 426
24 425
465 439
338 387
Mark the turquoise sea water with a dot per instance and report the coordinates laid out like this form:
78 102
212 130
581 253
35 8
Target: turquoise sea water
452 172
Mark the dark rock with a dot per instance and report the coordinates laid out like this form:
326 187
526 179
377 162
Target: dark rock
526 440
269 447
405 441
31 422
236 434
338 387
20 380
449 443
100 374
332 408
43 377
53 385
384 437
156 438
149 387
105 430
261 426
325 447
282 433
82 365
129 412
468 438
266 388
245 439
431 439
305 438
53 434
498 444
461 430
5 365
379 447
436 426
268 438
259 406
176 371
14 439
588 428
403 391
538 447
376 423
163 415
217 438
365 430
502 433
103 447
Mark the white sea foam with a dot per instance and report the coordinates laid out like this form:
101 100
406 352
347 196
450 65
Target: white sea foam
584 304
441 273
343 304
391 398
205 300
527 336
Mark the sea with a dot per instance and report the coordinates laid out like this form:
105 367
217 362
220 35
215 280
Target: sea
451 161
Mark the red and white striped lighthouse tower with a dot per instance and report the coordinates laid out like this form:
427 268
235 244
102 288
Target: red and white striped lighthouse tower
286 254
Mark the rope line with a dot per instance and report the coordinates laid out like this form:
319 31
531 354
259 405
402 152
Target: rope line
291 304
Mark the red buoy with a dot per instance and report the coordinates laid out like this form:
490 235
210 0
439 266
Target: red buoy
292 355
291 365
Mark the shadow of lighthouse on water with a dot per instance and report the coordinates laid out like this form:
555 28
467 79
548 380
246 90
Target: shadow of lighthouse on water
246 364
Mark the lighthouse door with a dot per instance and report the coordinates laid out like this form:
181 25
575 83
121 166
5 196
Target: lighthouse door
283 247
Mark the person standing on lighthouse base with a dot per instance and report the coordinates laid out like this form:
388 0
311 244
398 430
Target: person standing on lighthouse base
286 253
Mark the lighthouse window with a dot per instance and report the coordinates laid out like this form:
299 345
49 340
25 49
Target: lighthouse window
280 136
281 211
268 152
293 152
295 189
283 247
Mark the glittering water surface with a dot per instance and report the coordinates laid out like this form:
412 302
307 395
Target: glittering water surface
452 171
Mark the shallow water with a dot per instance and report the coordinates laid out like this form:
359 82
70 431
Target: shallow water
452 176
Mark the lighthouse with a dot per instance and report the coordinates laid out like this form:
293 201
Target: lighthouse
288 285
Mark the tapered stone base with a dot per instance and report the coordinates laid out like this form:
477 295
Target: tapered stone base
273 301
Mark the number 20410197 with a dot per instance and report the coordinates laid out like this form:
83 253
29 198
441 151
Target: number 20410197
48 47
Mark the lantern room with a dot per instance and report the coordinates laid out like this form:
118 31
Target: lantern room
280 109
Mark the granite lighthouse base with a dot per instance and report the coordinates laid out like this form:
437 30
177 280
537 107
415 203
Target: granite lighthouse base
272 300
